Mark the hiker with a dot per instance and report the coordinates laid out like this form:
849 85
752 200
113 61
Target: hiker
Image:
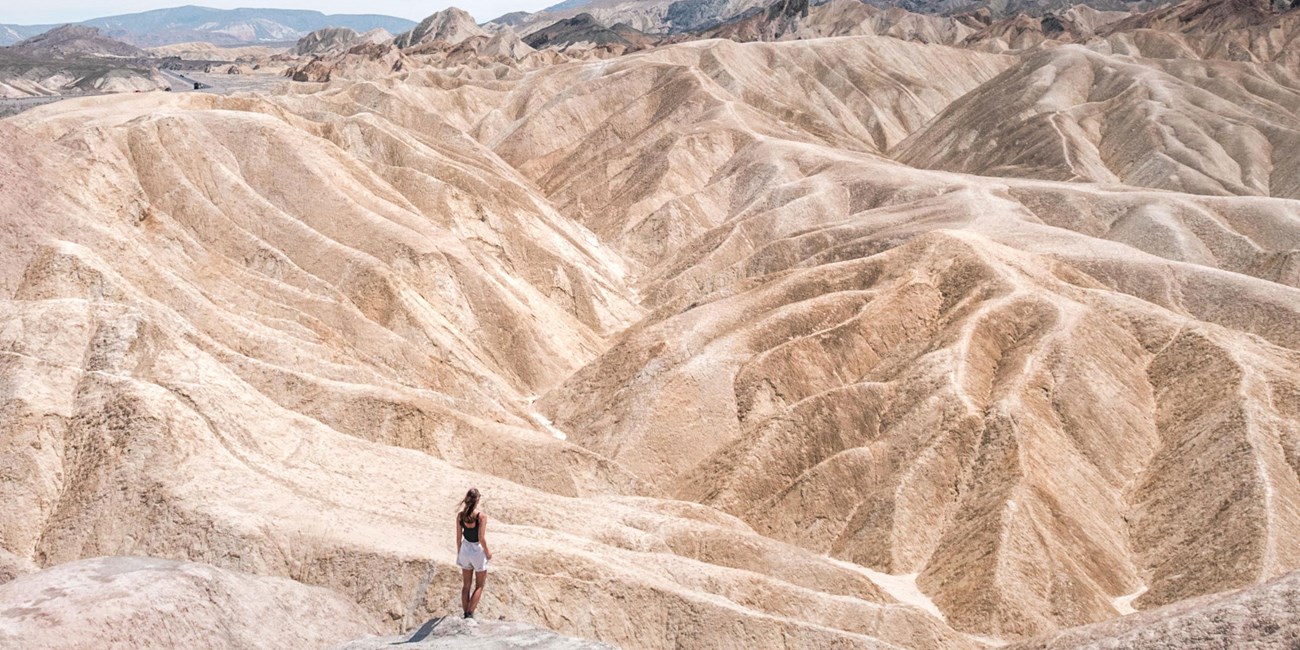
472 553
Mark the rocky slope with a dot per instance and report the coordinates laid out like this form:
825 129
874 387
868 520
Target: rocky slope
582 29
1070 113
1078 24
74 60
74 41
336 39
201 51
1257 617
1233 30
463 304
448 26
150 603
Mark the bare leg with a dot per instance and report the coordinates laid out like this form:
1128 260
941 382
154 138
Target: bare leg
478 591
467 579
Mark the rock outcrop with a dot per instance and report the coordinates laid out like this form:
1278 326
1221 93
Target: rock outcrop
324 41
1264 616
582 29
451 633
507 44
132 602
449 26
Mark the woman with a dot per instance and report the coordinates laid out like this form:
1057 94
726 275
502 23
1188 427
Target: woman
472 552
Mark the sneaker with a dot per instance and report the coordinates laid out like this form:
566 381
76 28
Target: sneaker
468 615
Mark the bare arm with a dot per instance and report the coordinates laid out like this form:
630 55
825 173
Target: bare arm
482 535
457 534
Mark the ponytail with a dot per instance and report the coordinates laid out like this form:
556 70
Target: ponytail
467 506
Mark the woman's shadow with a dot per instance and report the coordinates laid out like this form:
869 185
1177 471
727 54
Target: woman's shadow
424 631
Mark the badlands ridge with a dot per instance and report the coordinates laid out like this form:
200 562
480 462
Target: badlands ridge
847 341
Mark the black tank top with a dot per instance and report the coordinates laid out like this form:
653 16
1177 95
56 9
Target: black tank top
471 534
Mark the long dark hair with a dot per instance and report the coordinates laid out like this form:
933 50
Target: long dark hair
467 506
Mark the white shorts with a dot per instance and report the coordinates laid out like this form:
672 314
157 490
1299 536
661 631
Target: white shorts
472 556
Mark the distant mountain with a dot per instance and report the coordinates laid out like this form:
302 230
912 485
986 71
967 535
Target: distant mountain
1004 8
218 26
650 16
10 34
73 41
686 16
794 20
511 19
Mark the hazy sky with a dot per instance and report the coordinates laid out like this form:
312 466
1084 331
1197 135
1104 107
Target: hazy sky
36 12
